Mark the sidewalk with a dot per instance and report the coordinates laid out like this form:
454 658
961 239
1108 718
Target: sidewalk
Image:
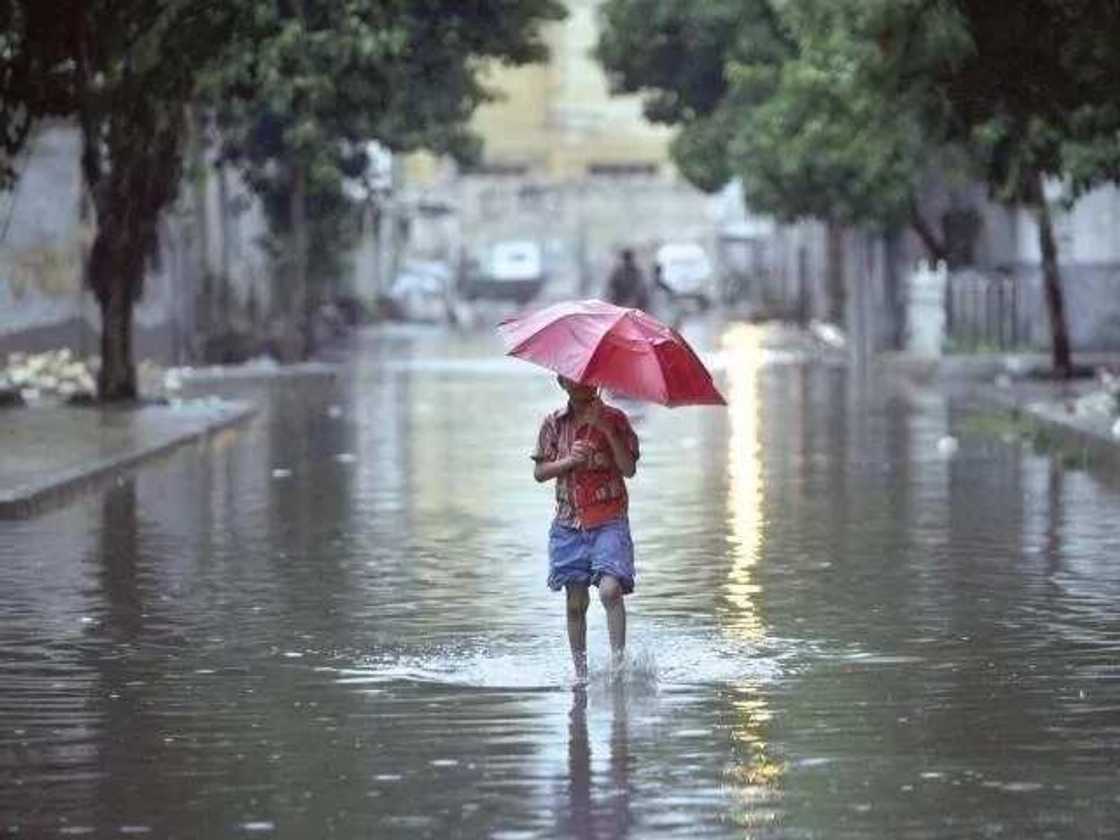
983 367
50 451
1078 414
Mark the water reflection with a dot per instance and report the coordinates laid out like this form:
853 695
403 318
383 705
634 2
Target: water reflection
124 631
743 347
757 776
598 803
578 812
118 557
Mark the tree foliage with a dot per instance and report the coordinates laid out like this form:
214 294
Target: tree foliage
838 108
325 75
699 66
795 109
1031 85
318 79
1032 92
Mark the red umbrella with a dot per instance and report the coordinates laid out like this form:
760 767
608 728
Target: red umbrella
624 350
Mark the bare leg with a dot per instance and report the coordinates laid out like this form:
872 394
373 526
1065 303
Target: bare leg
578 600
610 593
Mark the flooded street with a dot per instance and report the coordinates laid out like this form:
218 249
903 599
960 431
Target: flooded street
334 622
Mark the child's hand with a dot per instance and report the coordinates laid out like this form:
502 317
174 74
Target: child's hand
581 453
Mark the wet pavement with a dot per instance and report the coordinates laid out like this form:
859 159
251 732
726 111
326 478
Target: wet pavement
334 622
50 450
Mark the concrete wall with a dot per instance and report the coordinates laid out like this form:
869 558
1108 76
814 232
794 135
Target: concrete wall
46 228
1092 300
1088 239
1087 233
1094 227
234 227
383 234
47 232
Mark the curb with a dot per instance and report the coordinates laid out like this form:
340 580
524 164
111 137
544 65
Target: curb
1100 446
976 367
33 499
218 373
1067 428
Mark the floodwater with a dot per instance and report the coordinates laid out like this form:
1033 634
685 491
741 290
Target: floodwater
334 622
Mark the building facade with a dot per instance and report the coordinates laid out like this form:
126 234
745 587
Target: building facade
566 165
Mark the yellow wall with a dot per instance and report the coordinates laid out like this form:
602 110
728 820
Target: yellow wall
559 117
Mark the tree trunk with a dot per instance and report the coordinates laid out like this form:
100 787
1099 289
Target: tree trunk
116 380
301 298
835 274
208 304
935 246
145 171
1060 354
896 298
224 292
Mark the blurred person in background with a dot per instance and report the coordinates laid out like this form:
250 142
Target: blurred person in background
627 285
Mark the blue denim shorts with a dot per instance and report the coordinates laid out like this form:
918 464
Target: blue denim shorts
584 556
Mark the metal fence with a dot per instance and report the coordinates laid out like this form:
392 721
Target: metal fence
986 311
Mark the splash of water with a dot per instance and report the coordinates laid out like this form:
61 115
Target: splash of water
657 659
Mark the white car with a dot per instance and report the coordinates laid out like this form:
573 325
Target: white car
420 291
513 261
514 271
686 270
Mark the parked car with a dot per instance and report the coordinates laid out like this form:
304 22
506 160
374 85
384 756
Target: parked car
686 271
514 271
420 289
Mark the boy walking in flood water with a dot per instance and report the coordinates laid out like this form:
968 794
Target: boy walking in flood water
589 448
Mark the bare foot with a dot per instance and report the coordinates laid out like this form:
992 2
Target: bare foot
618 664
579 661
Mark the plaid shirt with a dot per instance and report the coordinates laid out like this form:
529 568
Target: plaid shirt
590 496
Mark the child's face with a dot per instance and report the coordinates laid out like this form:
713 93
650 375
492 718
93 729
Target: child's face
576 392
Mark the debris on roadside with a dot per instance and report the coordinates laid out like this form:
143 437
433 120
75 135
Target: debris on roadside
828 334
1103 401
947 446
63 376
54 373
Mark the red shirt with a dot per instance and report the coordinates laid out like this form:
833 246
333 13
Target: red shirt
588 496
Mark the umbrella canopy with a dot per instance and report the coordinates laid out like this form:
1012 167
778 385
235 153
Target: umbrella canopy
625 350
